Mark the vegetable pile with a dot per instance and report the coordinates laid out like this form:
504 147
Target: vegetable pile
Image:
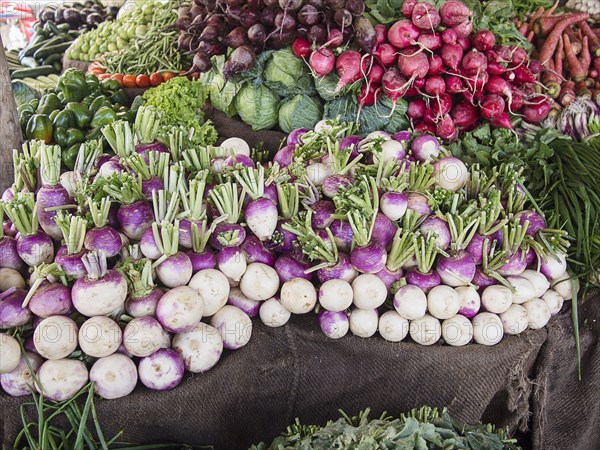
79 16
152 257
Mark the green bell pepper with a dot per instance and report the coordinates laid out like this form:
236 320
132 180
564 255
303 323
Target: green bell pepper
49 103
24 120
98 103
60 136
34 103
120 97
126 115
81 113
39 127
69 156
109 85
74 136
104 116
73 85
93 134
25 107
64 119
53 115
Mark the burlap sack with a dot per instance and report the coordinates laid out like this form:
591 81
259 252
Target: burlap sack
254 393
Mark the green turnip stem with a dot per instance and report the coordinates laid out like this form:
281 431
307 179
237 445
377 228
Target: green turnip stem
173 177
420 177
22 212
95 264
461 234
138 165
339 158
147 124
479 183
426 253
18 179
227 201
313 246
201 234
554 241
120 138
490 210
229 238
403 248
176 140
73 231
252 180
389 182
43 271
192 199
412 220
196 159
364 196
165 209
27 169
131 251
139 275
362 226
289 199
167 240
99 211
87 155
513 234
50 165
124 188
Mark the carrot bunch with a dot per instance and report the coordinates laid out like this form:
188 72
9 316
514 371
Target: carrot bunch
133 81
569 50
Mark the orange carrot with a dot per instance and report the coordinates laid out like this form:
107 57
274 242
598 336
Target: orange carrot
546 25
558 58
536 15
550 45
567 93
585 59
530 36
575 43
594 40
575 70
552 9
524 28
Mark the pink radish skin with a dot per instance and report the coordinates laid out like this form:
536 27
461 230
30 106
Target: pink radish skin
386 54
449 36
375 74
321 61
413 63
348 66
464 115
402 34
394 86
425 16
484 40
416 109
454 85
407 8
367 95
430 41
429 116
441 105
435 65
381 33
474 62
422 127
464 29
335 38
451 55
454 12
537 111
446 130
465 43
498 85
492 106
435 86
495 68
522 75
519 56
516 102
502 122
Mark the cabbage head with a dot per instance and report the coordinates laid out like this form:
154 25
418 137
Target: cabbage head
300 111
222 95
286 73
258 106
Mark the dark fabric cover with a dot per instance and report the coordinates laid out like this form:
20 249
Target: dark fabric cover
295 371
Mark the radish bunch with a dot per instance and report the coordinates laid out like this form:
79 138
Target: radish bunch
452 77
386 233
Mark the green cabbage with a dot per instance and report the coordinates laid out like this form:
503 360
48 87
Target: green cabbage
301 111
222 95
257 106
286 72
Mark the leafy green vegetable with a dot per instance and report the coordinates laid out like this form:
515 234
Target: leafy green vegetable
301 111
179 100
326 87
423 428
258 106
287 74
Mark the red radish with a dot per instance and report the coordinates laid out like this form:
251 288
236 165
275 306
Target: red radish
411 92
454 12
335 38
446 130
375 74
502 122
464 29
367 94
425 16
413 63
402 34
381 33
451 55
498 85
394 86
522 75
435 65
477 82
495 68
516 102
419 83
429 116
474 62
422 127
518 56
484 40
441 105
321 61
449 36
492 106
464 115
538 109
435 86
385 54
301 47
416 109
350 67
464 42
454 85
430 41
408 7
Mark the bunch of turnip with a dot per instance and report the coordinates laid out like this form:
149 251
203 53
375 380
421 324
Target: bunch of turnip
453 78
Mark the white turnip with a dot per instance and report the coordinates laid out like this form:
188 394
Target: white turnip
10 353
259 282
298 296
61 379
470 301
443 302
114 376
496 299
369 291
213 286
564 286
392 326
538 280
410 302
538 312
425 331
554 300
487 328
100 336
180 309
273 314
335 295
450 173
364 322
523 289
19 381
457 331
200 348
143 336
514 319
234 325
55 337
